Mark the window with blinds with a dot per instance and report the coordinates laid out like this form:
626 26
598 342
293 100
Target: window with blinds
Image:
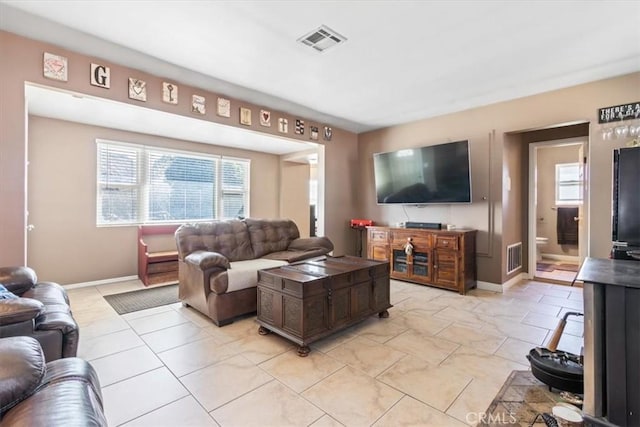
139 184
568 183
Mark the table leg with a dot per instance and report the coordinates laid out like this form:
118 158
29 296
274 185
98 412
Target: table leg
303 351
263 331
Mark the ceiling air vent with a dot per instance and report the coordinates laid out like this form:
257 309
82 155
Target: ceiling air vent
322 38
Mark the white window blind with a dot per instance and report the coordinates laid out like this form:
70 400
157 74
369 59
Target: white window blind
181 187
568 183
119 187
234 186
168 186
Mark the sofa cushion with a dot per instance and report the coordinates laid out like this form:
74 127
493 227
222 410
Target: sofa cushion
244 274
271 235
22 368
229 238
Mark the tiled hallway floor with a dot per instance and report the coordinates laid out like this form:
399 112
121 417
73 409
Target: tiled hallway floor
438 360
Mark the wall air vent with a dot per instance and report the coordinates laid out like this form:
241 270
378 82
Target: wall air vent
514 257
322 38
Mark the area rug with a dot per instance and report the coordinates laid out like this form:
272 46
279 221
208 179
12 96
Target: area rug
519 401
128 302
567 267
542 266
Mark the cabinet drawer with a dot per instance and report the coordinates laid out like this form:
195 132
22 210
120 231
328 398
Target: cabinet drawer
447 242
422 241
378 235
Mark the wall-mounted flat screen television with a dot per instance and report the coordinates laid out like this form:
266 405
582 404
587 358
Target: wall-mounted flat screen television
432 174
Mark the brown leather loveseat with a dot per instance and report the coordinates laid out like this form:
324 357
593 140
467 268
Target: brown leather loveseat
37 309
218 261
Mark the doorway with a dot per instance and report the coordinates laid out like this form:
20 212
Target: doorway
301 190
557 209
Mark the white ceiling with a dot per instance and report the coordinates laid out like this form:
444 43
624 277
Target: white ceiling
403 60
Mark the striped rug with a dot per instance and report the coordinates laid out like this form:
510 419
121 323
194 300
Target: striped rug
128 302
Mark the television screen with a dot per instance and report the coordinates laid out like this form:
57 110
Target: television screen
432 174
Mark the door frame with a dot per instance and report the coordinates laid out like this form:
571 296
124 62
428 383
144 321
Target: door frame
583 209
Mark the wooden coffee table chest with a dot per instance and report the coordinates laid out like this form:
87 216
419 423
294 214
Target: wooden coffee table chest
307 301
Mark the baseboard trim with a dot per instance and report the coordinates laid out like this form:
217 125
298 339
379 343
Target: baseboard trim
488 286
561 257
99 282
515 280
494 287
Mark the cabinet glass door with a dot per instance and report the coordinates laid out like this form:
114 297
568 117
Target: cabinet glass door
399 261
421 264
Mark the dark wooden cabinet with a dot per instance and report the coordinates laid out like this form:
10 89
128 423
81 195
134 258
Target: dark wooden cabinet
441 258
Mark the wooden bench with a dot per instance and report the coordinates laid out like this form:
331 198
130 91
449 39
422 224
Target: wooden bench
157 266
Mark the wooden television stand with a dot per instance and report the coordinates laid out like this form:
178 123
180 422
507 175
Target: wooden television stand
441 258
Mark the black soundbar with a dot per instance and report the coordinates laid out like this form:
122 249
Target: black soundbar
427 225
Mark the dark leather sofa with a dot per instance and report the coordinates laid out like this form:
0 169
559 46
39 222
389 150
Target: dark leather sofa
65 392
218 261
41 311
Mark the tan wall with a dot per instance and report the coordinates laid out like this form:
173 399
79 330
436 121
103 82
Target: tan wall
512 199
341 193
574 104
546 214
66 246
25 57
294 195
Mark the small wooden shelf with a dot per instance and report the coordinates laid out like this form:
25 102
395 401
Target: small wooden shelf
157 266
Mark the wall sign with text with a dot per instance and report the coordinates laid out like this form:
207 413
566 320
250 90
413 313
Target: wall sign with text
619 113
100 76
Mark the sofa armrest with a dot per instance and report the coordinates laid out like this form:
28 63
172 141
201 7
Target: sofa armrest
311 243
22 369
57 320
206 260
18 279
19 310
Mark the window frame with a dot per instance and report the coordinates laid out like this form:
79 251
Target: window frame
144 153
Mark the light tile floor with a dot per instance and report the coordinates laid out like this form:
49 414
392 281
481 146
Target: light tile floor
438 360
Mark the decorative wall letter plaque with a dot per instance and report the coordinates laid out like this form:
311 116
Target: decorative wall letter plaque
224 107
299 127
313 130
100 76
197 104
245 116
328 133
265 118
137 89
283 125
55 67
169 93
